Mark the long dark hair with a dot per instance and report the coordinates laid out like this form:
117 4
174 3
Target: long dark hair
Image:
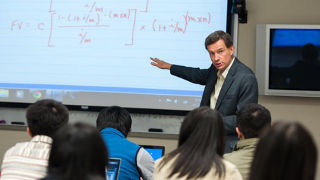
78 153
285 151
201 145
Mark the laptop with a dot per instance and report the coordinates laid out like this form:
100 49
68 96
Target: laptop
112 171
156 152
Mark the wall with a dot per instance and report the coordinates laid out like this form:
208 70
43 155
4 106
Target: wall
304 110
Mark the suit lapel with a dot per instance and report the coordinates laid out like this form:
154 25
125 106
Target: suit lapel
209 88
227 83
212 80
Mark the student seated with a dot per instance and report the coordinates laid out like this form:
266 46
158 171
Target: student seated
78 153
200 150
286 151
251 119
114 124
29 160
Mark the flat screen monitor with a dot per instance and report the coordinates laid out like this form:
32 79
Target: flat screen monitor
96 53
112 170
156 152
288 60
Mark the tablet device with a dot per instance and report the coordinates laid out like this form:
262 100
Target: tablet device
112 170
156 152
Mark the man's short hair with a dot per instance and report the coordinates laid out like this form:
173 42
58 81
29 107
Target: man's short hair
46 116
252 118
216 36
115 117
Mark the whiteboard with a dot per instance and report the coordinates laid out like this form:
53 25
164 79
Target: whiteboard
96 52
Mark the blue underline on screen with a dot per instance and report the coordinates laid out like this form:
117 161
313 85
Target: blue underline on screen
103 89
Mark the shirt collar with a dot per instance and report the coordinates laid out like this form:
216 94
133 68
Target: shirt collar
42 138
111 131
225 72
246 143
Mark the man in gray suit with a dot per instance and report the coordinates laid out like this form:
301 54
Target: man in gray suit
229 84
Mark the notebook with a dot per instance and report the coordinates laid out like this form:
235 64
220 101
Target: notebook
112 171
156 152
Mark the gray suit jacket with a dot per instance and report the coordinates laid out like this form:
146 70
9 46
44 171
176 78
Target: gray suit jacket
239 88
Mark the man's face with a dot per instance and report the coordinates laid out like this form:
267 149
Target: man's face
220 55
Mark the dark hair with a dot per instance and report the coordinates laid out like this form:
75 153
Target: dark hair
216 36
201 145
115 117
285 151
46 116
78 153
252 118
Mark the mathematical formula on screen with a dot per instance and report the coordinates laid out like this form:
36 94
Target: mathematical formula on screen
93 16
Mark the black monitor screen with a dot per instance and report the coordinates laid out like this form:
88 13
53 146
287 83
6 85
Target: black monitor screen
294 59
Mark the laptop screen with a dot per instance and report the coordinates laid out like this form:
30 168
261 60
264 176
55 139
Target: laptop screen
112 171
156 152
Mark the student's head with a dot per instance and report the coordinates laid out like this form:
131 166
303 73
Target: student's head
201 145
45 117
115 117
251 119
203 128
220 47
78 152
285 151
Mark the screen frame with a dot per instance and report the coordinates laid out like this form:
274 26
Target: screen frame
263 42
